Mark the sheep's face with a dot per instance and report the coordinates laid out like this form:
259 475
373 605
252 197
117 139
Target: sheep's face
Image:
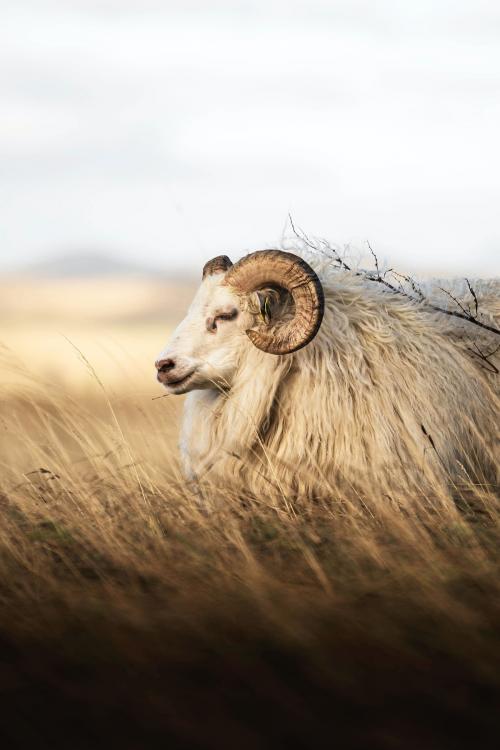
274 290
205 348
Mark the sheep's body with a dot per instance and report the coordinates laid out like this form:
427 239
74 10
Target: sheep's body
384 394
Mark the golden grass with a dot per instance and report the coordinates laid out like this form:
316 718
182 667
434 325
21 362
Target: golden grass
135 611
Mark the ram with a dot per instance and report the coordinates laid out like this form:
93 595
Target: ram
302 378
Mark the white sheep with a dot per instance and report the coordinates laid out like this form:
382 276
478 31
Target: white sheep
301 378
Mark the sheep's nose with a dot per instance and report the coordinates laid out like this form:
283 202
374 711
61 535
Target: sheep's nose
164 365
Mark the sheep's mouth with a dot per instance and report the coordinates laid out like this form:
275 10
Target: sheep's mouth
179 382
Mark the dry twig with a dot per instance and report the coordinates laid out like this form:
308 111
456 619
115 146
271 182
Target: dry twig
418 296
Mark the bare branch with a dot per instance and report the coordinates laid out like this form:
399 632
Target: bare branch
379 278
485 357
327 248
471 290
457 302
302 236
418 295
467 317
416 287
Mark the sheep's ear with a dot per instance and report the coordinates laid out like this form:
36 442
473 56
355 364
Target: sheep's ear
269 303
264 302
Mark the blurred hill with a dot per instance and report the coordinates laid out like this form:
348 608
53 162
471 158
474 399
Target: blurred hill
86 264
89 286
89 264
119 315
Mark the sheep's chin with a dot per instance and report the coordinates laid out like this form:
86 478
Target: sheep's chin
183 385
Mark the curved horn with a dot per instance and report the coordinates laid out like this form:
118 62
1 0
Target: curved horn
220 264
286 271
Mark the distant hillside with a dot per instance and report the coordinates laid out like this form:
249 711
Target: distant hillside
105 300
88 265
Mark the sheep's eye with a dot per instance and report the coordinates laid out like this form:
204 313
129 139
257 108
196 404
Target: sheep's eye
231 315
211 323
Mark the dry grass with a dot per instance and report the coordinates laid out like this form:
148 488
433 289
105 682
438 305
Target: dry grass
136 613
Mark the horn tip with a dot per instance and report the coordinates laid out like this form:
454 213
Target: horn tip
219 264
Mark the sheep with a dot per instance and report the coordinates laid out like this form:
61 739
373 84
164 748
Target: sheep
301 377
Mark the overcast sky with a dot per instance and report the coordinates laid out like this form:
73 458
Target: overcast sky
168 132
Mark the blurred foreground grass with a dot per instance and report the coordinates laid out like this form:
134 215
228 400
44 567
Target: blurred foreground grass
136 612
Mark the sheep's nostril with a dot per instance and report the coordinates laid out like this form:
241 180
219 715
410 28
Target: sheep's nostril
164 365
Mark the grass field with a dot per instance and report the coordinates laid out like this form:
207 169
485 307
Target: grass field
136 613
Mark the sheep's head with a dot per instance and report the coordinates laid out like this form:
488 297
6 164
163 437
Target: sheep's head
269 299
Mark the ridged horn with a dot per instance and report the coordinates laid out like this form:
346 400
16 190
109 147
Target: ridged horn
220 264
275 268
